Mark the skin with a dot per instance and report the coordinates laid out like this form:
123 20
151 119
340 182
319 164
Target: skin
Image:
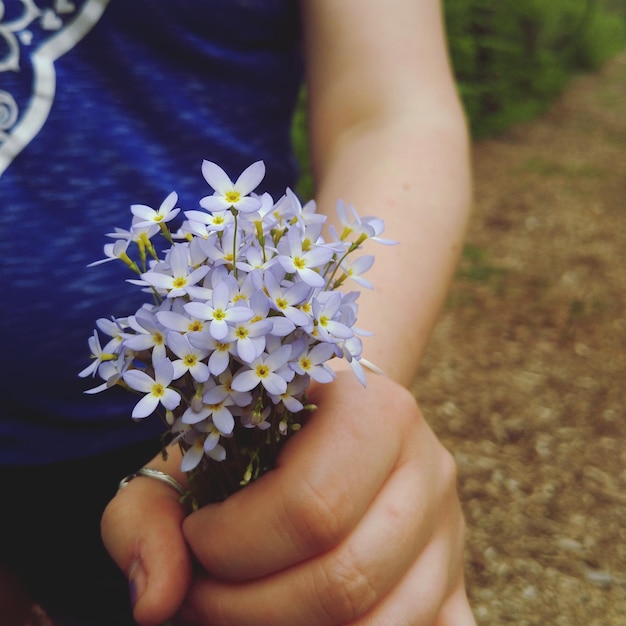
360 522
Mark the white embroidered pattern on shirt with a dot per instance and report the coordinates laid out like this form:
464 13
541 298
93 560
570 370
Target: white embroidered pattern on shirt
32 38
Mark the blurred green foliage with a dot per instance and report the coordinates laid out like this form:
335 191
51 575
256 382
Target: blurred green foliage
511 57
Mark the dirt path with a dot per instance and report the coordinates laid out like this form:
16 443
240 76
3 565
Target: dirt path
525 378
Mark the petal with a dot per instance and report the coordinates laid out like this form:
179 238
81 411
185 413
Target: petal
173 321
169 203
311 277
321 353
200 372
318 256
138 380
199 310
238 314
218 362
245 381
283 326
274 384
279 357
163 371
218 329
211 441
180 369
178 259
216 177
246 350
298 317
215 395
337 329
143 212
224 421
217 454
221 295
250 178
322 374
178 344
145 406
170 399
297 293
194 417
248 205
214 204
192 457
158 280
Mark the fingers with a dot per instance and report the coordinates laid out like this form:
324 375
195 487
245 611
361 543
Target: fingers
456 611
396 566
432 593
318 492
335 586
141 529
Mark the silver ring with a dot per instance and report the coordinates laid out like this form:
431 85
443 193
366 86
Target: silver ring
150 472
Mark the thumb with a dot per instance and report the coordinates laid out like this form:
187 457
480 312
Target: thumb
141 529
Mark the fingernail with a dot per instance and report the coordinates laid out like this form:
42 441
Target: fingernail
136 581
132 592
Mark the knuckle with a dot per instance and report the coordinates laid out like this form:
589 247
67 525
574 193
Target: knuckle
345 592
314 514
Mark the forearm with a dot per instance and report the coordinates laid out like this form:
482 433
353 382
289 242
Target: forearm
415 174
388 135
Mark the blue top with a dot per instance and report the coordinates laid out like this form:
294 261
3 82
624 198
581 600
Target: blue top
104 104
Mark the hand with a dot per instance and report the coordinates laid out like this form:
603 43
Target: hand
141 529
358 524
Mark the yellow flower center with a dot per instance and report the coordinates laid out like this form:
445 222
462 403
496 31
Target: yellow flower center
241 332
195 326
299 263
190 360
219 314
305 363
158 390
232 196
179 282
262 371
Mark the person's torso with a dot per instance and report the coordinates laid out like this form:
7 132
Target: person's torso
103 105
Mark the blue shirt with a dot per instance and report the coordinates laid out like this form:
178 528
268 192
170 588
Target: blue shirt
104 104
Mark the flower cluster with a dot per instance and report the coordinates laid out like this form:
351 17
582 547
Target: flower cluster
245 312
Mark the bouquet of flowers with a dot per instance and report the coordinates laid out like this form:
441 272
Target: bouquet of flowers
244 312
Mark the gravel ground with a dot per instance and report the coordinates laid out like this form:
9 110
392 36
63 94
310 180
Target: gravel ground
525 377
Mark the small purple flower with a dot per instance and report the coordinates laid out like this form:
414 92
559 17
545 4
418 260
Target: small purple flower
156 389
295 261
229 195
220 311
263 371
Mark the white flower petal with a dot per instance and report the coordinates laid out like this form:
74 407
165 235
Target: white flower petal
216 177
192 457
245 381
145 406
250 178
274 384
138 380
